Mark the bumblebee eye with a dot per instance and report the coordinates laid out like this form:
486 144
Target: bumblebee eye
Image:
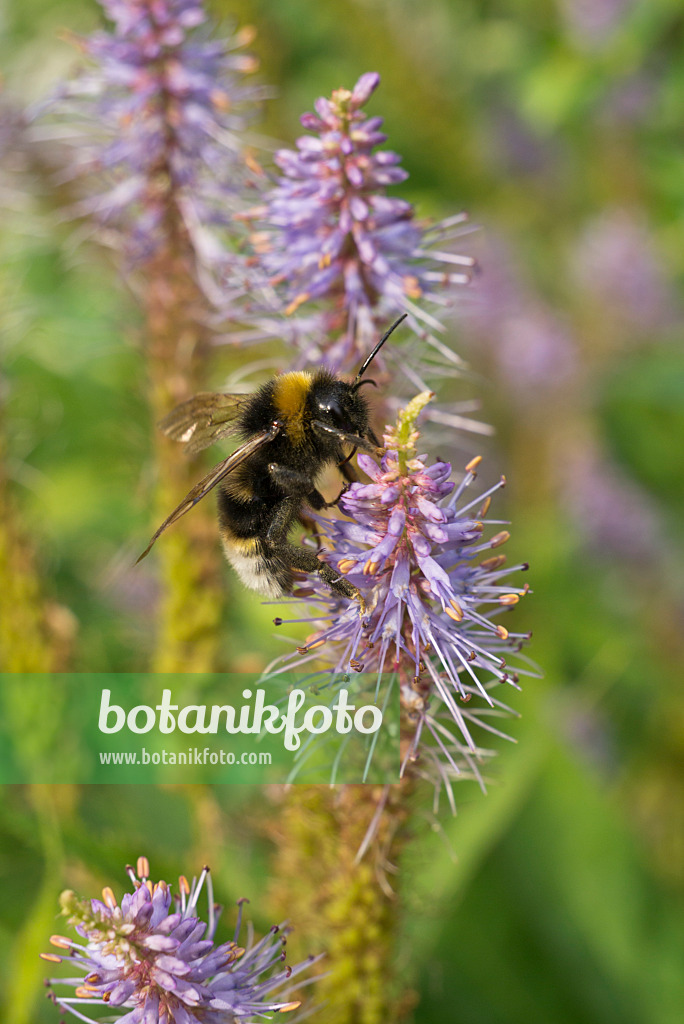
333 412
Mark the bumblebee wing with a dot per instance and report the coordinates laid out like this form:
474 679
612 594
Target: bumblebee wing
203 419
205 485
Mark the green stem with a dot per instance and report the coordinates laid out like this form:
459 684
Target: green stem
192 603
340 903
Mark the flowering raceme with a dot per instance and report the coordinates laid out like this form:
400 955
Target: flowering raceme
412 547
159 116
153 959
155 124
329 231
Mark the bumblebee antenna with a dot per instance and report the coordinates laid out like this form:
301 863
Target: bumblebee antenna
366 363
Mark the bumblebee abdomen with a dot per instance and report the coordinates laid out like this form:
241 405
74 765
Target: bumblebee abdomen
244 524
256 570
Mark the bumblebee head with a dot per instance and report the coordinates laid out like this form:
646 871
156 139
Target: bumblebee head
339 405
338 413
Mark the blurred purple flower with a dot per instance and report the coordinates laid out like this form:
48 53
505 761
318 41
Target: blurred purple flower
616 262
613 515
329 231
536 354
431 604
533 351
628 101
592 23
513 147
159 117
153 957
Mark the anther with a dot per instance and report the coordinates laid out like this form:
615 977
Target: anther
503 632
108 898
499 538
245 36
298 301
454 611
473 464
311 647
495 562
411 287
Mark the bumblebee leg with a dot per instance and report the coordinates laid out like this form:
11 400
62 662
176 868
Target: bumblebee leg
277 550
285 514
308 561
328 504
348 472
295 484
291 481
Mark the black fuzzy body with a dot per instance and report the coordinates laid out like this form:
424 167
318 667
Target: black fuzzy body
263 498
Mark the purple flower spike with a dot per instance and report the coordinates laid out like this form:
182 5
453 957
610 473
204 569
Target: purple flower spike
156 961
434 588
329 231
157 123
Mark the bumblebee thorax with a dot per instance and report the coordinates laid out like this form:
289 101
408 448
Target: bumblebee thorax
290 397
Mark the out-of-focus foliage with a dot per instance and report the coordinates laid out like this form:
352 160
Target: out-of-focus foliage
558 126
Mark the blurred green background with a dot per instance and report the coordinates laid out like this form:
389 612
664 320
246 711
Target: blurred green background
559 897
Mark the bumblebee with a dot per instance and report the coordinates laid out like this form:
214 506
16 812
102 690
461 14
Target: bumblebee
291 429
